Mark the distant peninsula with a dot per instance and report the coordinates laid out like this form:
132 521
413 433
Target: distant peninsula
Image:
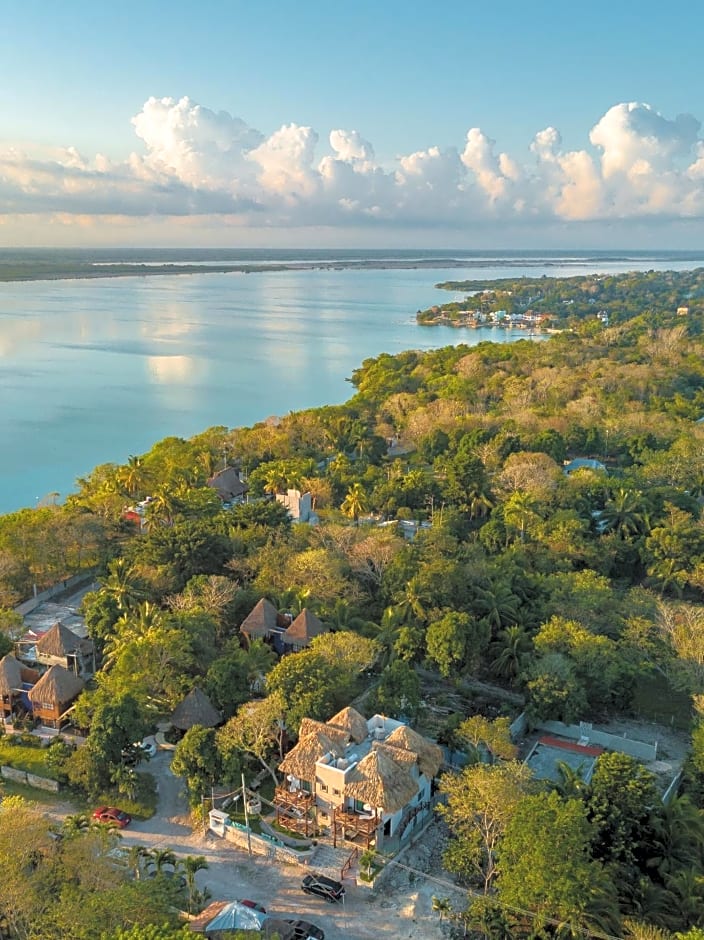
550 303
43 270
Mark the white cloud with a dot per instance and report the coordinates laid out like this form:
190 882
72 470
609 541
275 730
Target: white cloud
198 163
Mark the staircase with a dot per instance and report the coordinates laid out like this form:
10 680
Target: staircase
330 862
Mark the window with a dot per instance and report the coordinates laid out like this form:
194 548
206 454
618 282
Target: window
335 792
324 787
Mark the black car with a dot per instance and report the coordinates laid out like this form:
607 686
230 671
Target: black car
324 887
291 928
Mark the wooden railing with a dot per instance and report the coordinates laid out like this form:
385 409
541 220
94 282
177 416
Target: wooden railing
349 863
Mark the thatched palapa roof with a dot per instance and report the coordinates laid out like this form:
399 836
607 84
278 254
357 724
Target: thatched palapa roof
262 619
399 754
304 628
60 641
10 675
228 484
350 720
430 756
301 760
195 709
380 782
308 726
57 686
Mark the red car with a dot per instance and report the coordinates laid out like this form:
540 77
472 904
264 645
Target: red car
253 905
112 815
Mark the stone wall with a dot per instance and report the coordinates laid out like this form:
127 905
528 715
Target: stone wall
29 780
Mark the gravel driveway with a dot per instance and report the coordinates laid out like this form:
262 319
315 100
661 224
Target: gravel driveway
400 912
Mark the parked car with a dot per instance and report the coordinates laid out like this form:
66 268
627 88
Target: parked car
112 815
139 751
326 888
245 902
291 928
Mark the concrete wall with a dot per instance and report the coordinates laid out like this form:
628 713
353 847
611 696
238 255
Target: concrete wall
75 582
613 742
260 845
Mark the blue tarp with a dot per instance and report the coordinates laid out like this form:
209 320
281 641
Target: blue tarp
236 916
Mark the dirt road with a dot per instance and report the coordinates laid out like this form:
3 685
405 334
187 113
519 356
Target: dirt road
399 910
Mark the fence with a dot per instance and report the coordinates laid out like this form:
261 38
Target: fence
76 581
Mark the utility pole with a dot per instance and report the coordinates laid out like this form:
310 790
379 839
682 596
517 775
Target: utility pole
246 818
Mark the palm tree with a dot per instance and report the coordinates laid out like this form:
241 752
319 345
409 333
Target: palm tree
192 864
355 502
134 476
498 604
510 650
122 584
639 931
161 857
626 514
570 784
161 509
442 907
520 509
136 854
76 824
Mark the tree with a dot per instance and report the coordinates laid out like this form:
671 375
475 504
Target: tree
490 737
509 653
545 867
191 865
398 692
480 802
197 758
520 510
355 502
446 642
257 729
622 796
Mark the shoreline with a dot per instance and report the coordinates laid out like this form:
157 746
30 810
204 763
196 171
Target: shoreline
14 273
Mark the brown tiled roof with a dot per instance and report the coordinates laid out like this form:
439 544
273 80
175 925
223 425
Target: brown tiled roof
303 629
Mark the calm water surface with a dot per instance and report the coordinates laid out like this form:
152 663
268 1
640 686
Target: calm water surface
94 370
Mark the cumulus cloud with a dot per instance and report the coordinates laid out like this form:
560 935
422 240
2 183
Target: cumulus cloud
194 162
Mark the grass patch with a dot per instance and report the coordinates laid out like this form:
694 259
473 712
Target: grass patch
654 699
32 760
254 825
32 794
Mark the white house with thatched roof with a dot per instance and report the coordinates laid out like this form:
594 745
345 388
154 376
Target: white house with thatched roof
365 781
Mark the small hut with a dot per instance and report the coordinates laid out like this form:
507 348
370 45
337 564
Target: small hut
380 782
430 756
351 721
195 709
62 647
263 622
228 485
302 630
10 683
54 694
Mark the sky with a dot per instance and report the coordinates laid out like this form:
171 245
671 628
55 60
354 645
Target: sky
382 123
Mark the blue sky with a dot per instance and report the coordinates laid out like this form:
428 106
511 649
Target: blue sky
84 157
